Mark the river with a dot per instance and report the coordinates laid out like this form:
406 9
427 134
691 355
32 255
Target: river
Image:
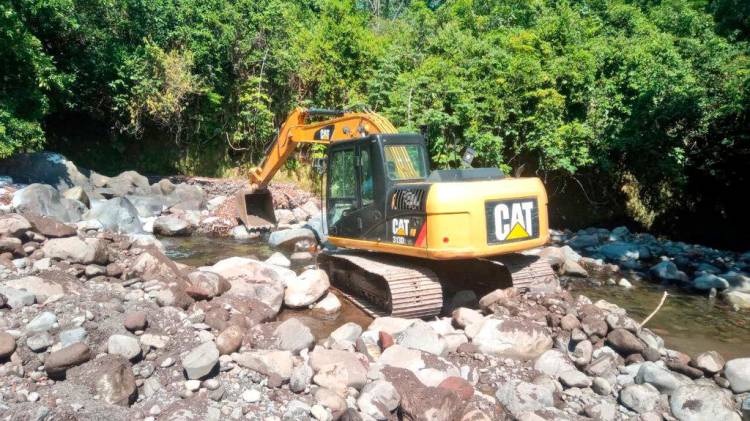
688 323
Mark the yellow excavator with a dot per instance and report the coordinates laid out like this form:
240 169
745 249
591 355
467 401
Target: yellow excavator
406 237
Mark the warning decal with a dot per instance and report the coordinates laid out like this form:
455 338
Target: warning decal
512 220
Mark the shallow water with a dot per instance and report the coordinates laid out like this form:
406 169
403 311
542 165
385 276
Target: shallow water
203 251
688 323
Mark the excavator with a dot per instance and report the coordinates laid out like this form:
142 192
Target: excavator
406 237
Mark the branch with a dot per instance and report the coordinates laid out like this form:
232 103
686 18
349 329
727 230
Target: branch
661 303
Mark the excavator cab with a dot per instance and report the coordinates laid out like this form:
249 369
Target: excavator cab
360 175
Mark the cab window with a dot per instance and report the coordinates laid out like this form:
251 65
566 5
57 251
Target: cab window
405 162
367 181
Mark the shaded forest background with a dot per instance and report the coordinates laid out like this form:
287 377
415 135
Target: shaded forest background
632 112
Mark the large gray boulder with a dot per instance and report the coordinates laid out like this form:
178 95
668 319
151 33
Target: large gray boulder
515 338
147 206
201 361
667 271
46 168
701 402
128 182
45 200
116 214
186 197
737 371
520 396
620 251
172 226
287 238
76 250
307 288
640 398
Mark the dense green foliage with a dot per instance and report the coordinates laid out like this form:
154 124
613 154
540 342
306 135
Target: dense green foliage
638 103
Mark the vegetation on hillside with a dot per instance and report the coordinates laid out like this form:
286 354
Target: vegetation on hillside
637 103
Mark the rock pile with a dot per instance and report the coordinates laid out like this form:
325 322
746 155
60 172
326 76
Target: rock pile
692 267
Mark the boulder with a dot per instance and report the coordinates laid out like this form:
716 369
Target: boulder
708 281
286 239
76 250
515 338
229 340
58 362
553 362
519 396
42 322
574 378
419 402
135 321
401 357
421 336
79 194
7 345
268 363
378 400
172 226
701 402
624 342
300 379
292 335
664 380
39 342
737 371
328 306
128 182
49 227
16 298
187 197
667 271
640 398
13 225
711 362
40 287
464 317
206 285
338 370
147 206
390 325
619 251
44 200
44 167
124 345
201 361
279 259
117 214
738 298
109 377
348 332
307 288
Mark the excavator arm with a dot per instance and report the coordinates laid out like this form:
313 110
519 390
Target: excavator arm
255 205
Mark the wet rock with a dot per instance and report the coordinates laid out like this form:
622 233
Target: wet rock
711 362
201 361
13 225
229 340
7 345
667 271
620 251
698 402
737 371
329 305
124 345
286 239
172 226
625 342
640 398
58 362
42 199
423 337
117 214
738 299
76 250
709 281
378 400
269 363
292 335
135 321
519 396
307 288
515 338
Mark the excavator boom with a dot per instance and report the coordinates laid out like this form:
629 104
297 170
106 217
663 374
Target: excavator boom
255 205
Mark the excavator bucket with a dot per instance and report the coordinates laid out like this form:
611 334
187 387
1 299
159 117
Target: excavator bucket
255 208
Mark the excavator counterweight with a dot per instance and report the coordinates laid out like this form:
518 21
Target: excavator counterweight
407 237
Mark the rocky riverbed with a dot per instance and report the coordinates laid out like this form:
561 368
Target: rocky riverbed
96 322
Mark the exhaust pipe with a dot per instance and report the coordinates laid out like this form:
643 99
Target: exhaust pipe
255 208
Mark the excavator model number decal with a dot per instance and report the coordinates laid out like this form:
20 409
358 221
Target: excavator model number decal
512 220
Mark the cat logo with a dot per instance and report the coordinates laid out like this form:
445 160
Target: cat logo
400 227
512 220
324 133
